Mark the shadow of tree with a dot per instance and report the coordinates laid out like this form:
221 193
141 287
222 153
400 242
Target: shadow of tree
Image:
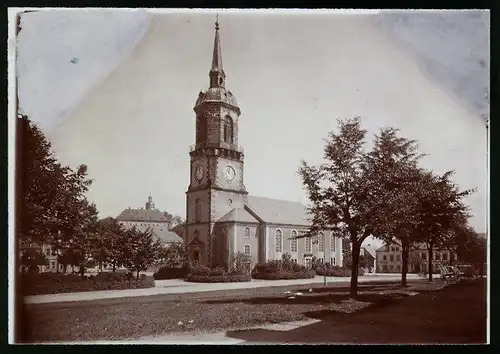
319 296
452 315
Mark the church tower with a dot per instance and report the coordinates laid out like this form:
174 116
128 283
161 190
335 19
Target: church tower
150 205
216 179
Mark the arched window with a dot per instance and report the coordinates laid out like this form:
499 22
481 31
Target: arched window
308 244
332 242
278 240
197 210
321 239
293 241
247 232
228 130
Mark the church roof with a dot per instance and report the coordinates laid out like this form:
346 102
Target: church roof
238 215
277 211
166 236
153 215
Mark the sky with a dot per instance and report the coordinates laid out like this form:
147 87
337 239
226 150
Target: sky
115 90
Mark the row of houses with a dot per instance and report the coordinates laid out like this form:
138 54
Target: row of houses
141 218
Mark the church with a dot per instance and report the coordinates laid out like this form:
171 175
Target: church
222 219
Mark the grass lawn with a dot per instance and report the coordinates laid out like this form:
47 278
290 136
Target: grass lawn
454 315
131 318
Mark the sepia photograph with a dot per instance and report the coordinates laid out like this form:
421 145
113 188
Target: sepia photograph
248 176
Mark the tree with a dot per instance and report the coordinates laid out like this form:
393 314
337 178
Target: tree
441 208
37 182
141 250
392 167
108 243
347 262
32 258
173 256
338 188
358 193
415 261
53 209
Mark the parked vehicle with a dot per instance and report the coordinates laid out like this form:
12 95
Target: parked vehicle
466 271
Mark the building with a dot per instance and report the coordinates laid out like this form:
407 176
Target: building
149 218
389 259
50 253
369 253
222 219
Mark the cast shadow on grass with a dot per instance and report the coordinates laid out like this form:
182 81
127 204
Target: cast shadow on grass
318 296
263 336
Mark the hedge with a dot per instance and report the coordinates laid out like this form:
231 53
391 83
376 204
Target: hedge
306 274
54 283
337 271
227 278
170 273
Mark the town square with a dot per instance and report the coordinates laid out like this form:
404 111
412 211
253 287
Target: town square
250 177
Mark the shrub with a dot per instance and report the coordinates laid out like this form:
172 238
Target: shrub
170 273
283 269
54 283
227 278
110 277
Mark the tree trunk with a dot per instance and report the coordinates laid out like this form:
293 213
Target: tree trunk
138 275
82 271
356 247
100 267
114 267
405 253
430 261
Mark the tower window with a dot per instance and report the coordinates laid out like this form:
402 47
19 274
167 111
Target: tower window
221 81
197 209
247 232
228 130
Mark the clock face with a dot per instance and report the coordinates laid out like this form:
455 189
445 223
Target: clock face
199 173
229 173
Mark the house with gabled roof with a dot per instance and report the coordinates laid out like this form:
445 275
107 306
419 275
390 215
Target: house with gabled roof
388 258
150 218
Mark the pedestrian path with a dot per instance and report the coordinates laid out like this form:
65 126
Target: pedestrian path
176 286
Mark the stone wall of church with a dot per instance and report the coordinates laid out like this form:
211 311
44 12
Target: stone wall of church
214 113
246 240
261 243
224 201
329 253
191 197
202 230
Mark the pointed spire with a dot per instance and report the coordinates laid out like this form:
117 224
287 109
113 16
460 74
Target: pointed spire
217 55
217 76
